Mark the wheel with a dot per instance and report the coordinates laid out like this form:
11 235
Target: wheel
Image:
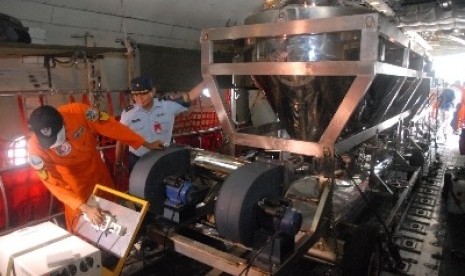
236 206
362 252
146 179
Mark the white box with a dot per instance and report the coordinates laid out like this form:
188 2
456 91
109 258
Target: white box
70 256
25 240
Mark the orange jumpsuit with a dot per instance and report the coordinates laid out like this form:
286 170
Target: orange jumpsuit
71 170
461 111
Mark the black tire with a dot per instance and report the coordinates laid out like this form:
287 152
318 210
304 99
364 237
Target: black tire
362 252
146 179
236 206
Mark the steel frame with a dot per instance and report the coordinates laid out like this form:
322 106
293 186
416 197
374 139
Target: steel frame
372 27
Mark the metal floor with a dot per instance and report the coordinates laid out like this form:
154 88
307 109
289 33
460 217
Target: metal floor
430 239
453 226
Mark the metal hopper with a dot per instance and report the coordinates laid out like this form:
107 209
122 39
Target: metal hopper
334 76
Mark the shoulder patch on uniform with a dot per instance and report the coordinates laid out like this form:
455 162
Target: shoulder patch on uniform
78 133
36 162
104 116
129 108
64 149
92 114
43 174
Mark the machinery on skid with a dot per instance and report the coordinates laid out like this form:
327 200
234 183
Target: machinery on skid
326 175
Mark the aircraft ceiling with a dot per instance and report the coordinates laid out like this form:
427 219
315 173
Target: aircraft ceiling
178 23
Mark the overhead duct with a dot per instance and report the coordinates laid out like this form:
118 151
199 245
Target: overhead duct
430 17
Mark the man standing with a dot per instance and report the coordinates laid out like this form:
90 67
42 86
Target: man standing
461 111
446 106
63 151
152 118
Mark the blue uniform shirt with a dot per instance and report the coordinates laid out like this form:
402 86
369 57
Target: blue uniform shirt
446 99
154 124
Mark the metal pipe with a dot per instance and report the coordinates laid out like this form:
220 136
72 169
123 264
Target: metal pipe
400 202
324 255
215 162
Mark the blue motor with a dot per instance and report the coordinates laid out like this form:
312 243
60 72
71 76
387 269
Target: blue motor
279 216
182 197
289 221
178 191
279 223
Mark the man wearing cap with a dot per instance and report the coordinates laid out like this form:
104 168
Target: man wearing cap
152 118
63 151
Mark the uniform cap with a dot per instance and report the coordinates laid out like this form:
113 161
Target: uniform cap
141 84
45 121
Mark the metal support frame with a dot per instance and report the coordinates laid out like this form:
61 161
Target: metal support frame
371 25
349 143
231 262
402 197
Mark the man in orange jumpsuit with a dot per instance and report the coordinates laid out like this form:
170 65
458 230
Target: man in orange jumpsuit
461 112
63 150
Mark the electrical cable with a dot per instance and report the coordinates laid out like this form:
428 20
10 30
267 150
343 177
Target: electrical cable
270 256
378 217
392 247
131 256
166 232
103 232
270 240
260 95
116 240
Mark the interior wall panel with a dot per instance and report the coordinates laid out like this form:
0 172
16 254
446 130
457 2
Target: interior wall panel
68 17
171 69
135 26
35 12
10 118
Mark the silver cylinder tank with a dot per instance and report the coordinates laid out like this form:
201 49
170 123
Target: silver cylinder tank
305 104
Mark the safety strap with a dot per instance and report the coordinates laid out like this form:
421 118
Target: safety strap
71 98
110 104
123 103
22 114
85 99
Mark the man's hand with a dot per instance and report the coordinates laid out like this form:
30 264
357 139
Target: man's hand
93 213
154 145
